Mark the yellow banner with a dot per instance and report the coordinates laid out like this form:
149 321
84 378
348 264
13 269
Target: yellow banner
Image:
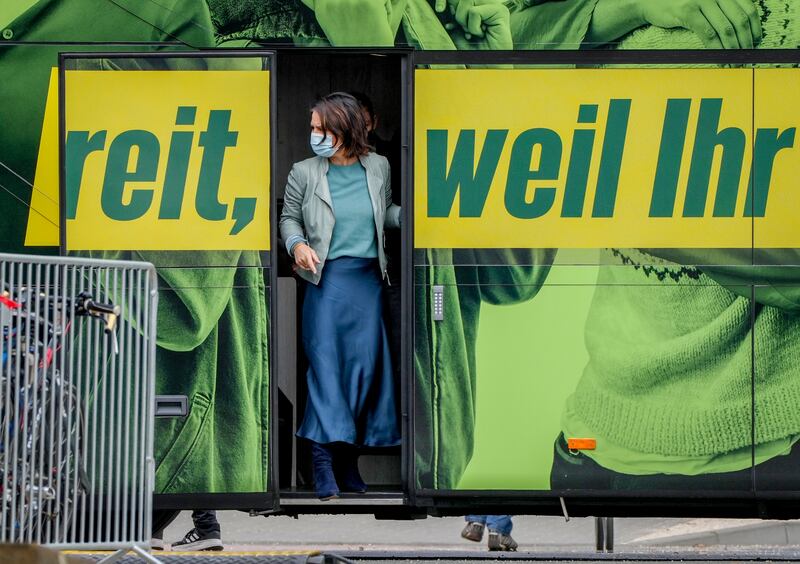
167 160
669 158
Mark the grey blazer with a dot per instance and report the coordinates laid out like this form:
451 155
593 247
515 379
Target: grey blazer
308 208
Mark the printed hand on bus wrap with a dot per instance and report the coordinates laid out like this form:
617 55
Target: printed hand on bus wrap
720 24
483 23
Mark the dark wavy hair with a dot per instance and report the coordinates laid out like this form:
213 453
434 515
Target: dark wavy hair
340 114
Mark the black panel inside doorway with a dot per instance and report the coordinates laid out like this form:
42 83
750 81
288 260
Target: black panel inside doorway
303 76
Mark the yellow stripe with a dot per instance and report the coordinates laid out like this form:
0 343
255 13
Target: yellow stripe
170 554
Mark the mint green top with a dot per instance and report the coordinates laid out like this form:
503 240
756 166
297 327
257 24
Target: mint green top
354 233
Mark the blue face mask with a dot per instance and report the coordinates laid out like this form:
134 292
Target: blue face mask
323 146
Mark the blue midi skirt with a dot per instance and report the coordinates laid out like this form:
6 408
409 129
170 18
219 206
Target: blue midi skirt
350 384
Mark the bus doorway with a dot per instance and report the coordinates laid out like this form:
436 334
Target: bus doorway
377 80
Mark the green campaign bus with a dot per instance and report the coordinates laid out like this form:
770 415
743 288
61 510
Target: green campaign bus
595 291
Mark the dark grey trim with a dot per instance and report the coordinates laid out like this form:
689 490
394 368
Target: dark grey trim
607 57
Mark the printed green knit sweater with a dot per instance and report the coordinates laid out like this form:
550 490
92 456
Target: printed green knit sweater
670 368
673 350
669 343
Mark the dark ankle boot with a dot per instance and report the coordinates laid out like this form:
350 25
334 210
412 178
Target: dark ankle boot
345 465
324 481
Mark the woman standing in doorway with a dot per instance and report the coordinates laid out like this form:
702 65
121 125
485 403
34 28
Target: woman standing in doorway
335 208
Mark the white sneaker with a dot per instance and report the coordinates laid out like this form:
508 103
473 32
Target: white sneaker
158 544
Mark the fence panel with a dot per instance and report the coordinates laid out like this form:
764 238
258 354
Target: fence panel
77 370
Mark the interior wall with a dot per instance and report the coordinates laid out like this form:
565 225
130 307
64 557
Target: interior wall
303 77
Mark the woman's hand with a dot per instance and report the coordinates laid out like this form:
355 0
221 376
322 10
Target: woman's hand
729 24
305 257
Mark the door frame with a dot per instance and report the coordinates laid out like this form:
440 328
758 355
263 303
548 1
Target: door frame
304 503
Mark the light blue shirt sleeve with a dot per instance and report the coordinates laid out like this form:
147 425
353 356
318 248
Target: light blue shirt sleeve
292 241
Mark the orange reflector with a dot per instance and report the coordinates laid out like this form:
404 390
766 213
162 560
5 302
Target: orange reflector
581 444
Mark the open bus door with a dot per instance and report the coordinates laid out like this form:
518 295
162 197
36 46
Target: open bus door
381 79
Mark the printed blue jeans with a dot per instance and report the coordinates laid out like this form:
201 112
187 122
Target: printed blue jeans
500 523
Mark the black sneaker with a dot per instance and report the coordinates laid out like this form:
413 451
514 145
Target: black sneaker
499 541
195 541
473 531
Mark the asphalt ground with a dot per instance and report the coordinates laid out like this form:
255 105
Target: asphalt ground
273 558
361 538
358 533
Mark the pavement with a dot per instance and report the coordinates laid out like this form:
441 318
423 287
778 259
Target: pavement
352 534
285 540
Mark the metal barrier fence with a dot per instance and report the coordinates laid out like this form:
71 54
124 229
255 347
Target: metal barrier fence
77 371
